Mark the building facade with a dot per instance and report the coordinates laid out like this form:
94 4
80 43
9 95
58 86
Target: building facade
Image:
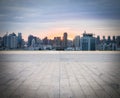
76 42
65 40
87 42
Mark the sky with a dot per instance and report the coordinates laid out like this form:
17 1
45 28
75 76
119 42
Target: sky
54 17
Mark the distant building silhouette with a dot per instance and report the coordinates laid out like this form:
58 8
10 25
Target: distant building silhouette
104 40
109 40
20 41
87 42
12 41
45 41
5 41
65 40
97 43
118 42
33 43
98 40
113 39
57 43
76 42
30 38
1 43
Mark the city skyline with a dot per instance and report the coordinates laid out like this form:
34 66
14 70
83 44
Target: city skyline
87 42
69 37
50 18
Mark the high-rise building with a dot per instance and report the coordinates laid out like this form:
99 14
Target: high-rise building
33 43
19 40
13 41
77 42
70 43
87 42
45 41
65 40
38 41
57 43
104 40
118 42
51 42
97 43
1 42
113 39
30 38
109 40
98 40
6 41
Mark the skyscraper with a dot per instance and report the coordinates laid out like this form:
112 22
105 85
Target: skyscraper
19 40
77 42
98 40
13 41
97 43
113 39
5 41
87 42
30 38
33 43
109 40
118 42
45 41
65 40
1 43
57 43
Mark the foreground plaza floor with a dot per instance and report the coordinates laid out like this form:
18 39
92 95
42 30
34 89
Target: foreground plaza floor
59 74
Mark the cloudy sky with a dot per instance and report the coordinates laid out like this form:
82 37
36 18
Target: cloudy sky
54 17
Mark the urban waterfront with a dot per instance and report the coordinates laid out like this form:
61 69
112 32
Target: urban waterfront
59 74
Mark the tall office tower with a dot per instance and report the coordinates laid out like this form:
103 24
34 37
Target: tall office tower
45 41
5 41
113 39
57 42
113 42
118 42
65 40
51 42
30 38
104 40
98 40
87 42
109 40
13 41
33 43
1 42
97 43
19 40
77 42
38 41
70 43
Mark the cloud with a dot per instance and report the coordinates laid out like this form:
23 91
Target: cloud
59 9
43 14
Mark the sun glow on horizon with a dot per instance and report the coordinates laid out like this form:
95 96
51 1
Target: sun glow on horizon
71 34
60 34
50 35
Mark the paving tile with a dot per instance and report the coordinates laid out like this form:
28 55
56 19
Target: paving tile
59 74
